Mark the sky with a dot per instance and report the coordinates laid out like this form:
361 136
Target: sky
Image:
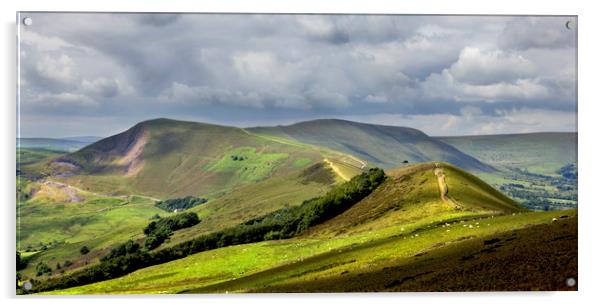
99 74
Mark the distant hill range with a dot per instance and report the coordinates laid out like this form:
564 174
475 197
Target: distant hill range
165 157
61 144
541 153
385 146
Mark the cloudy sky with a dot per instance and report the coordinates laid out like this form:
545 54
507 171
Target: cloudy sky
98 74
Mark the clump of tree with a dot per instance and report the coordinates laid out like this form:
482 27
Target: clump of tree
237 158
160 230
184 203
129 247
43 268
569 171
283 223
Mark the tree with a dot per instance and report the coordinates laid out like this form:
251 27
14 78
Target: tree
84 250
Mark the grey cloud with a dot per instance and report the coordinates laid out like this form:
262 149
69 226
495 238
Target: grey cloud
249 68
527 32
157 19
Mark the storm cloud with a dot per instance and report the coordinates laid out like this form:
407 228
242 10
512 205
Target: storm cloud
97 74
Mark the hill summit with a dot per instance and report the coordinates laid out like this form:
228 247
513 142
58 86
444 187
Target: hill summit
385 146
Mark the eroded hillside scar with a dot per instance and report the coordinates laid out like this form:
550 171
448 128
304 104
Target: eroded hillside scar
441 181
443 188
132 159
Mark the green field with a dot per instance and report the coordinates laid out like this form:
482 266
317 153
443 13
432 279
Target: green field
57 230
249 164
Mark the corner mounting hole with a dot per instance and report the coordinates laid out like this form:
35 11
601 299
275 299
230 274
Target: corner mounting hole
571 282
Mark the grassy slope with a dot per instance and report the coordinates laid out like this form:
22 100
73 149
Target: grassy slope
388 225
258 199
97 222
411 194
101 222
385 146
541 153
262 266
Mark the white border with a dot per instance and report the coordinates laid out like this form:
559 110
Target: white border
589 148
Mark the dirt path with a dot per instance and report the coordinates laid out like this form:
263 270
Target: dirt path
443 188
441 181
336 170
71 189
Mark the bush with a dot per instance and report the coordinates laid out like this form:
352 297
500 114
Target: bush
84 250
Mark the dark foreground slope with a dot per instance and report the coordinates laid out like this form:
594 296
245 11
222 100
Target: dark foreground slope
536 258
385 146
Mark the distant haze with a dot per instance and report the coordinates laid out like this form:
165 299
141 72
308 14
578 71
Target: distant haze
99 74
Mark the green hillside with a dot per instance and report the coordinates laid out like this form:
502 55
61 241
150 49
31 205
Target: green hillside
407 220
385 146
166 158
56 220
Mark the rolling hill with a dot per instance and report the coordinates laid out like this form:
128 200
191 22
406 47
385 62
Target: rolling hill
540 153
167 158
385 146
399 238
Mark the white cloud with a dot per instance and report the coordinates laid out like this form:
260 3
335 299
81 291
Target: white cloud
475 66
57 69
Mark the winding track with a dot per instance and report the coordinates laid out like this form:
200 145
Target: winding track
443 189
441 181
337 170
